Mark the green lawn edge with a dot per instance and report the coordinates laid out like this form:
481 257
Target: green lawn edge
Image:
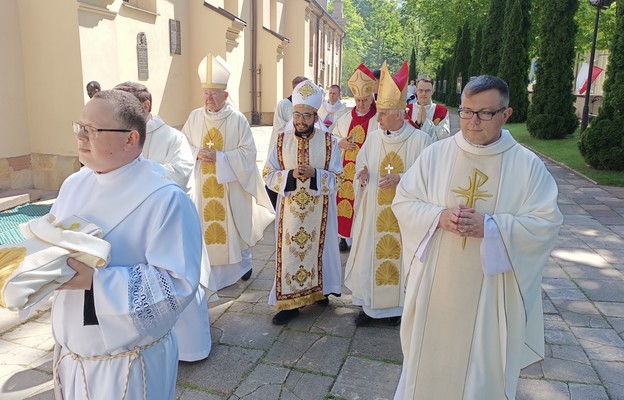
565 152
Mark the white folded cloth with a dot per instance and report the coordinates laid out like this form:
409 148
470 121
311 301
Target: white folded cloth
31 270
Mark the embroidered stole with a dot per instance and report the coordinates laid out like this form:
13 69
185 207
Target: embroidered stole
358 129
213 203
386 285
302 224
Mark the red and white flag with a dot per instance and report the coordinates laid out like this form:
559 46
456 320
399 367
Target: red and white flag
581 78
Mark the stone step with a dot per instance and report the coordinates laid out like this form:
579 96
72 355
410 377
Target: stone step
11 198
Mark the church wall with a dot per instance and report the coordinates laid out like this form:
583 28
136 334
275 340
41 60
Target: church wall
57 47
13 113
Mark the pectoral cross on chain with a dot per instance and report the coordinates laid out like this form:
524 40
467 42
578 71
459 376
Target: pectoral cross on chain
472 193
210 144
389 168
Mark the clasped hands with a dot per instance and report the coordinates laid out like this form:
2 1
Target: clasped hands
386 181
304 171
207 155
463 221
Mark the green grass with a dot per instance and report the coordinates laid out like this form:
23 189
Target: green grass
566 152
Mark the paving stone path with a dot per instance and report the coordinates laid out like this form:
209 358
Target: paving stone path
322 355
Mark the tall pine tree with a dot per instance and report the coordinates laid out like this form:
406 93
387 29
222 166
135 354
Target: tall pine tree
552 114
412 65
602 144
451 97
490 49
515 62
475 60
462 62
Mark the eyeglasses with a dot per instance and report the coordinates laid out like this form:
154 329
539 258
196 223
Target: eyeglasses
306 116
90 131
482 115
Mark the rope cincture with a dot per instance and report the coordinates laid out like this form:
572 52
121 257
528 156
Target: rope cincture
132 356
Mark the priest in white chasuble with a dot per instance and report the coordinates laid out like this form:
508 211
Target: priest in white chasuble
228 191
374 270
112 326
304 168
479 217
351 129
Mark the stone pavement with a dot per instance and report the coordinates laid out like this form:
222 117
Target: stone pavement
322 355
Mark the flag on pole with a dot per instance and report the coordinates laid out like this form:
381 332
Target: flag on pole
581 79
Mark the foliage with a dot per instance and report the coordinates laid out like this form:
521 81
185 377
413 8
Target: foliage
566 152
451 73
490 51
385 34
475 59
552 114
585 18
435 23
462 61
412 66
602 144
514 65
354 42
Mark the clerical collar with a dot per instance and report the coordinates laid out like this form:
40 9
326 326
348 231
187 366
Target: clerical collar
483 146
397 132
361 114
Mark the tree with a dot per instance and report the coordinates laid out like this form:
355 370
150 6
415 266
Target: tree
435 23
453 71
475 59
515 62
490 51
353 46
462 58
602 144
552 114
412 66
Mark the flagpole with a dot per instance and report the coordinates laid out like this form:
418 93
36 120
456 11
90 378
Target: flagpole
585 117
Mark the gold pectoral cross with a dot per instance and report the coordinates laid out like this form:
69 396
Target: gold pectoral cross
389 168
210 144
472 193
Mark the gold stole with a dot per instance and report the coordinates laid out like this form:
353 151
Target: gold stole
387 260
346 196
450 330
213 204
302 224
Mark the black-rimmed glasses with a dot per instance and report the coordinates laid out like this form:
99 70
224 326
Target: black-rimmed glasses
90 131
482 115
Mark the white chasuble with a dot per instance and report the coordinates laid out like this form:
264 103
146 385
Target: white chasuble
466 335
374 271
229 194
306 228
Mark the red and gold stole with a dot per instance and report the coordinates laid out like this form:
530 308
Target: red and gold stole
345 196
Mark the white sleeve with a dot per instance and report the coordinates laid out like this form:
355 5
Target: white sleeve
494 256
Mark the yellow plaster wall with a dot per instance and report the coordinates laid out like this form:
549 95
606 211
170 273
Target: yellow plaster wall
52 70
13 113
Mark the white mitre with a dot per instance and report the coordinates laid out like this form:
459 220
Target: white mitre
213 72
308 94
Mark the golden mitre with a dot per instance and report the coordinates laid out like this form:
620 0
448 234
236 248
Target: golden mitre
362 82
213 72
392 92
